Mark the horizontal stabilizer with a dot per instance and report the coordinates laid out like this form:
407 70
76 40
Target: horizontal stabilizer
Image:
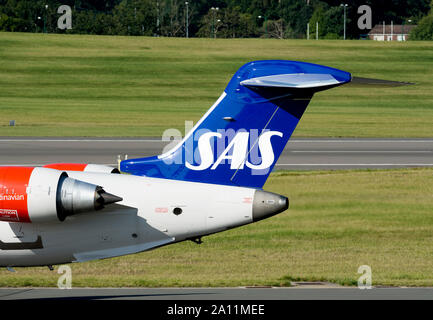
294 81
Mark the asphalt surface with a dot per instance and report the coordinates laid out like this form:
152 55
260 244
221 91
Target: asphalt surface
299 154
215 294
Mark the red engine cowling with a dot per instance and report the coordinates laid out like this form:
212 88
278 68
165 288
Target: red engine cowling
29 194
82 167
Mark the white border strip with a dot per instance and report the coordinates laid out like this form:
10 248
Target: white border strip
361 151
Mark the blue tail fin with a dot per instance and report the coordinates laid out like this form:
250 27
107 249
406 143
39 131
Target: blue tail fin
240 138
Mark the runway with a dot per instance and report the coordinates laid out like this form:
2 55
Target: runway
299 154
215 294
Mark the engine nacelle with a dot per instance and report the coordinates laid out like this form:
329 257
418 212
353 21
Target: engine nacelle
30 194
82 167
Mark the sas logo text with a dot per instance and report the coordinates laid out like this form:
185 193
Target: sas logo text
239 156
208 150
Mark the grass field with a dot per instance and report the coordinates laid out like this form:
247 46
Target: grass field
78 85
337 221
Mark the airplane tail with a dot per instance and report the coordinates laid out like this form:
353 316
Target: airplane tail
240 138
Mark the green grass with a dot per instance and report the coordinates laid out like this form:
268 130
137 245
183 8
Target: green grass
79 85
337 221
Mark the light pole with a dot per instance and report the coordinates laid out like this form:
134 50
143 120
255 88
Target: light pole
38 24
214 10
157 18
187 22
403 37
216 27
45 18
266 24
344 5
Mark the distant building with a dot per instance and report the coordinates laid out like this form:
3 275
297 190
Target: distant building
391 32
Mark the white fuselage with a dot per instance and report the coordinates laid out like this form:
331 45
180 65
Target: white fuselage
145 219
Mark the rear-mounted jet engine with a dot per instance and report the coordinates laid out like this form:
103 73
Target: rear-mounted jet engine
30 194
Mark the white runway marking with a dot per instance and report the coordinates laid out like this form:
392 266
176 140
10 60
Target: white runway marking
359 141
80 140
278 164
43 164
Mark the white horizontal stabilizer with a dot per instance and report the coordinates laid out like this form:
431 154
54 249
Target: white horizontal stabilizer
294 80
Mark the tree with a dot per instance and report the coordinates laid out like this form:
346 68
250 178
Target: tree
172 16
276 29
318 19
210 23
228 23
424 30
334 22
247 26
235 24
331 22
135 17
235 18
231 23
296 15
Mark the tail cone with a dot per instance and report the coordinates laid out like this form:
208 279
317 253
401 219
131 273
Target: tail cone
103 198
267 204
